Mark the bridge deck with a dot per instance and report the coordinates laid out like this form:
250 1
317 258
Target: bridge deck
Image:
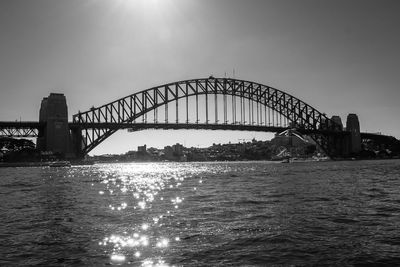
32 128
21 124
196 126
20 128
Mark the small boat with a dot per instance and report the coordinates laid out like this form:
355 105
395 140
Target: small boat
60 164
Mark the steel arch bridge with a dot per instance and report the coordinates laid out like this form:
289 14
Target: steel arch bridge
206 103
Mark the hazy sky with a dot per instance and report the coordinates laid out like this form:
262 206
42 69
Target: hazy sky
339 56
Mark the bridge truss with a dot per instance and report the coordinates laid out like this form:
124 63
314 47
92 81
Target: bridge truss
209 103
20 129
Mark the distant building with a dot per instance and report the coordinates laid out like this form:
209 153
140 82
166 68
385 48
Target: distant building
168 153
289 138
178 150
154 152
292 143
174 153
142 149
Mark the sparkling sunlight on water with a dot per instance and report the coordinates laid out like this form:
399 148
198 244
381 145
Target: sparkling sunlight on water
141 188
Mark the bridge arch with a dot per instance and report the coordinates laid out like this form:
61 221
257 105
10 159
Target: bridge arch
94 126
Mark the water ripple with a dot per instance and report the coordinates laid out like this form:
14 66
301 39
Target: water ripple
201 214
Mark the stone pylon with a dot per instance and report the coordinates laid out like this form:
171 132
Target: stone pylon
354 140
56 136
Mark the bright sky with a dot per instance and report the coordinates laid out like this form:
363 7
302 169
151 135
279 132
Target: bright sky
339 56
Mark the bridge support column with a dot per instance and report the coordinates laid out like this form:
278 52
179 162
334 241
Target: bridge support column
336 142
56 136
348 143
336 145
77 142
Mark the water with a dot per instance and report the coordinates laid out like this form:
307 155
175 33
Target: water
202 214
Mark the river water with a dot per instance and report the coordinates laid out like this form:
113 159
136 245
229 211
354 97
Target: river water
202 214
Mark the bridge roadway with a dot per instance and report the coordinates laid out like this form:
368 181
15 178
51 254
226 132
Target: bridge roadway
32 129
21 128
196 126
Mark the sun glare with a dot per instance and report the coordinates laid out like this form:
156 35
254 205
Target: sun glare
145 5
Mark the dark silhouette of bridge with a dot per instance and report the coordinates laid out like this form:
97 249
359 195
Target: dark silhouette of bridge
207 103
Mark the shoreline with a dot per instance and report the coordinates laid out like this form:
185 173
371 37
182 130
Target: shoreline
69 164
23 164
41 164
